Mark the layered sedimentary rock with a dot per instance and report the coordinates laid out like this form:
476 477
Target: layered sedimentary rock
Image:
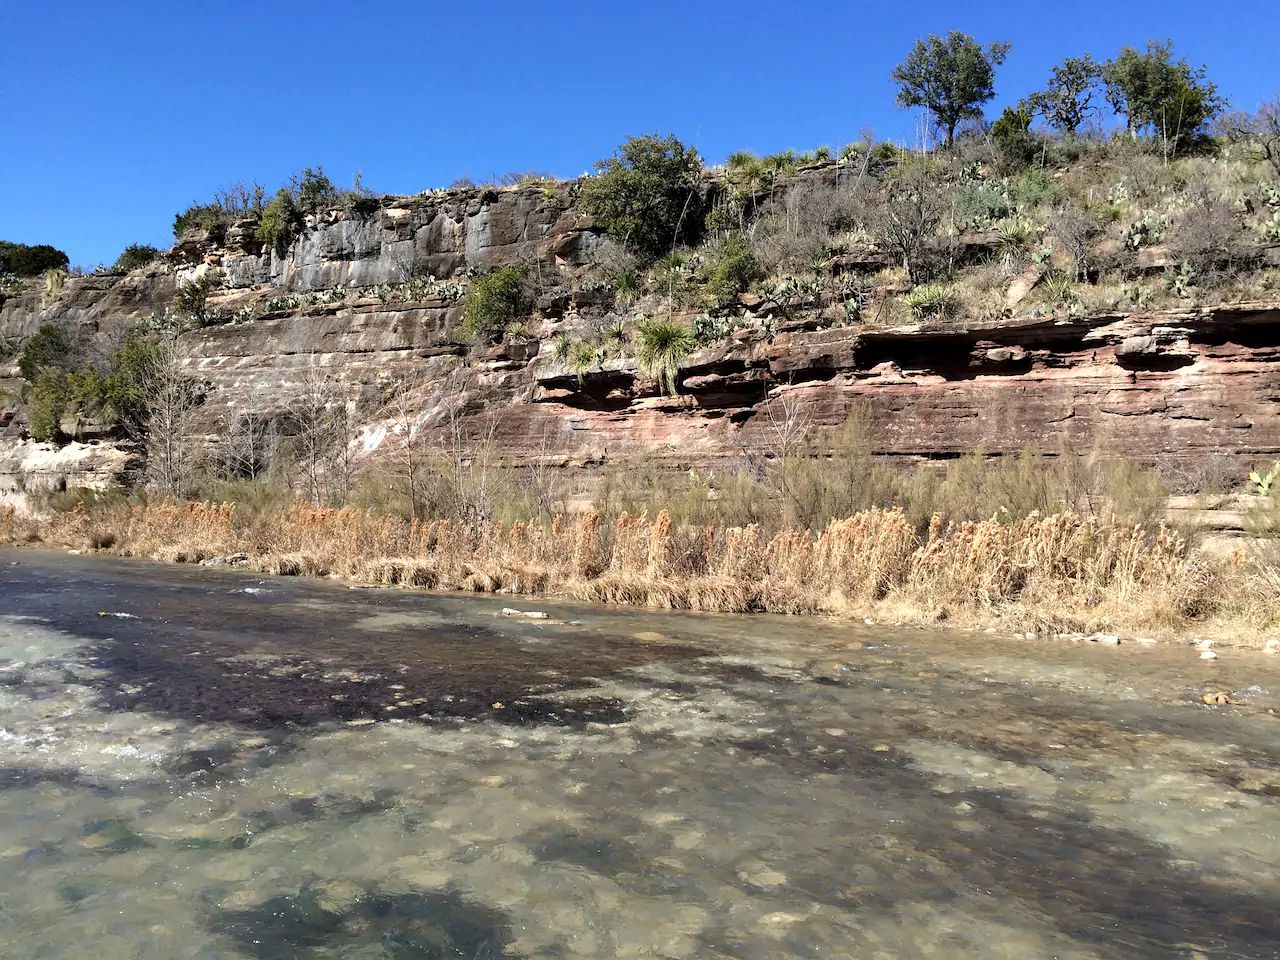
1178 388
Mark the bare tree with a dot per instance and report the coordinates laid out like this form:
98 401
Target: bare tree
321 437
909 216
172 407
406 444
248 441
1260 131
1074 230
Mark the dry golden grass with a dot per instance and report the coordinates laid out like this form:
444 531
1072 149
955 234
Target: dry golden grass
1062 572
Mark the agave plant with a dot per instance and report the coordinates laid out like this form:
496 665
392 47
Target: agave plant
660 347
932 301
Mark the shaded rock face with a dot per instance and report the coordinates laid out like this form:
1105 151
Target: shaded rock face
1168 388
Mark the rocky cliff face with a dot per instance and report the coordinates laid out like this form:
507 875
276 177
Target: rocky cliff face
342 304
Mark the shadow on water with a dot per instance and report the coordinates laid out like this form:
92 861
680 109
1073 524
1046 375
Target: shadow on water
414 926
196 647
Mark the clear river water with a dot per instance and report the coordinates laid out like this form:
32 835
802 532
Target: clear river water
201 763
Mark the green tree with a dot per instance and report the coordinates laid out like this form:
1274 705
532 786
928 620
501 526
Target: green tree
646 195
281 221
29 261
1067 101
734 270
1155 93
951 77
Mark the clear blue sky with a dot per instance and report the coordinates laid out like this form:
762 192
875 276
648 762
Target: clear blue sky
116 115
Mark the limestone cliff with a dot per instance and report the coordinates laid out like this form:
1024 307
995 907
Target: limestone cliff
348 300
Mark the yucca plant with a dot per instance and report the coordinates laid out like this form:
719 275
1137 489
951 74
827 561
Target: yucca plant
1013 236
660 347
626 288
582 358
561 345
932 301
1058 288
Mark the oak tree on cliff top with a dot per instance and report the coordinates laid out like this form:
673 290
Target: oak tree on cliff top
951 77
646 195
1154 92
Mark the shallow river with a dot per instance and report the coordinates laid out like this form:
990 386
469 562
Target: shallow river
200 763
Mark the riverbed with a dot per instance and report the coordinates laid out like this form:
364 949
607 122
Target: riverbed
206 763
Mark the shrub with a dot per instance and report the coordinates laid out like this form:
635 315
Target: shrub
191 301
23 260
136 255
932 301
495 300
1073 229
908 217
281 222
51 347
646 195
229 203
661 345
1013 139
46 403
734 270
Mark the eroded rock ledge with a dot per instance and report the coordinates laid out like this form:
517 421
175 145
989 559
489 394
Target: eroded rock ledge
1178 387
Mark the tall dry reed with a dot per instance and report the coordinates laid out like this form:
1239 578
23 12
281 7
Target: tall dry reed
1064 571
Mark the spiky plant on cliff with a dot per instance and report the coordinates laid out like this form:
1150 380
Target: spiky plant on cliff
660 347
582 358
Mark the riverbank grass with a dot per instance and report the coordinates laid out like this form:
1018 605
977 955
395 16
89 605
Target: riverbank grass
1058 573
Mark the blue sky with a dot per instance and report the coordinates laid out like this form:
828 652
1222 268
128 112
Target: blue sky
117 115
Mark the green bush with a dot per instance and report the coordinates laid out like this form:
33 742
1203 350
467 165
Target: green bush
281 222
191 301
136 255
23 260
46 403
661 345
734 270
646 195
495 300
200 216
51 347
1013 139
228 204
